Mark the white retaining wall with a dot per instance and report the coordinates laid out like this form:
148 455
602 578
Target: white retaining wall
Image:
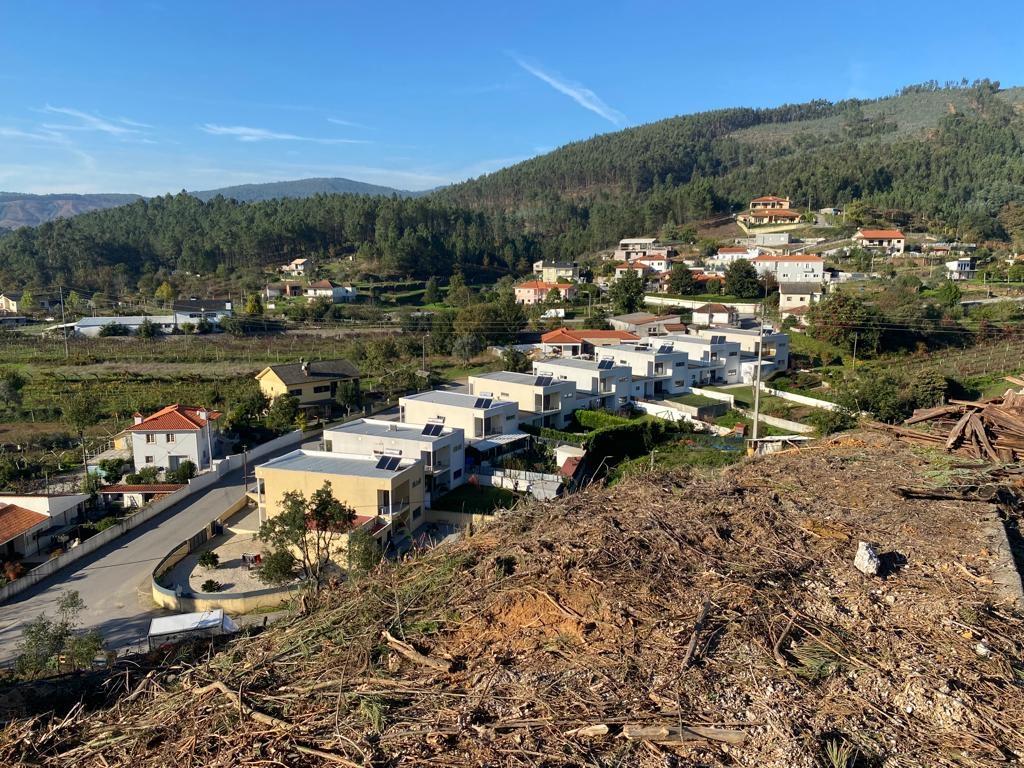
715 395
802 399
144 515
667 412
775 421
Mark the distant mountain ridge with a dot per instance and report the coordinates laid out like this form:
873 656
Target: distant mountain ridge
24 210
248 193
18 209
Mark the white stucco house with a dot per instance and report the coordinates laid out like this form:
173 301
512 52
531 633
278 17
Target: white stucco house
173 435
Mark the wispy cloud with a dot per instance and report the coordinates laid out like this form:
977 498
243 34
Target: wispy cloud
49 137
250 134
582 95
89 122
345 123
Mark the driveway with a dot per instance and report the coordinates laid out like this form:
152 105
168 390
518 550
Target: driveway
114 581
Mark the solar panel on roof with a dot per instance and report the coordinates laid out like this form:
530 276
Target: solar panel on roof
382 462
433 430
543 381
482 402
605 365
718 339
664 348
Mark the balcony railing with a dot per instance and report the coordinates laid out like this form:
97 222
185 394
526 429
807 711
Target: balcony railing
390 510
436 468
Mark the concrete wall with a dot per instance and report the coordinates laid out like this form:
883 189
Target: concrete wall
715 395
802 399
231 602
775 421
144 515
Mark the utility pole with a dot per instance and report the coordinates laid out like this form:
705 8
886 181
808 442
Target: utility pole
855 335
63 322
757 371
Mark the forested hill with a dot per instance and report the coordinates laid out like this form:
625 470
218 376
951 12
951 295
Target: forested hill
949 153
950 159
110 250
24 210
246 193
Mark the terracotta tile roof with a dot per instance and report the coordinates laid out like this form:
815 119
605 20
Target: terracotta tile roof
175 418
733 249
881 234
538 285
675 326
769 199
808 257
15 520
565 336
796 311
784 213
715 308
143 488
323 284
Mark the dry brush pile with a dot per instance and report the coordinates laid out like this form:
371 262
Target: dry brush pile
671 620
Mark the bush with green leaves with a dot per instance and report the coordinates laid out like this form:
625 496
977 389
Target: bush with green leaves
145 476
106 522
211 585
277 567
830 422
186 471
209 559
55 644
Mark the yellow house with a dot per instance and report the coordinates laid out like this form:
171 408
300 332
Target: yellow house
317 384
386 492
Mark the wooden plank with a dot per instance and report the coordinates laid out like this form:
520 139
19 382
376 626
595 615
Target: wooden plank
979 432
926 414
958 431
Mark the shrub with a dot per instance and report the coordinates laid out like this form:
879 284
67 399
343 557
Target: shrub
105 523
185 472
829 422
599 419
278 567
209 559
211 585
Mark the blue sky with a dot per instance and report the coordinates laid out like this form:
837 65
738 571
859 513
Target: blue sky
153 97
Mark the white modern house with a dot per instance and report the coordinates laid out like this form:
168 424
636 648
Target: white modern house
599 383
719 357
656 366
439 447
728 254
173 435
543 400
960 269
776 343
715 314
490 425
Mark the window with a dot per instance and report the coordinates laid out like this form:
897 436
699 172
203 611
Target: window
510 418
295 392
328 445
325 388
415 483
457 474
150 438
169 437
149 459
416 513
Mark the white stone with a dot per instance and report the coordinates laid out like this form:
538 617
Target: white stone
867 561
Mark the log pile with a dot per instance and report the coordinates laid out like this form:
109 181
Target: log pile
991 429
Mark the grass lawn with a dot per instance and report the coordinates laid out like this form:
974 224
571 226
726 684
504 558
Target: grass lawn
732 418
476 499
697 401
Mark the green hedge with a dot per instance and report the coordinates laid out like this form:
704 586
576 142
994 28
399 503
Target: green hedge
575 438
599 419
629 440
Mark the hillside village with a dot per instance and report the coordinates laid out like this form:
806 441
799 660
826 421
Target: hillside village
507 498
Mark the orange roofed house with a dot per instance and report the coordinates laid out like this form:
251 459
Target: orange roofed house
891 240
173 435
769 202
563 342
536 291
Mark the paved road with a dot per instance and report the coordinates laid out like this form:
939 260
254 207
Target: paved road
114 580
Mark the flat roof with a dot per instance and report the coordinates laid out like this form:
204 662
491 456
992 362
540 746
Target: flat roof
88 322
455 399
329 463
656 342
185 622
573 362
395 429
512 377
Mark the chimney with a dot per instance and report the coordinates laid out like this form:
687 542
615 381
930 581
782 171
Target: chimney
138 417
305 368
203 415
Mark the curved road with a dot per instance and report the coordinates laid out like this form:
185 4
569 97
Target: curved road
114 580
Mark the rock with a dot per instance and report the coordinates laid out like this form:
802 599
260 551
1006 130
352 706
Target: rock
867 560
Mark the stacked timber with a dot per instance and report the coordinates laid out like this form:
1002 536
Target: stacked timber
991 429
